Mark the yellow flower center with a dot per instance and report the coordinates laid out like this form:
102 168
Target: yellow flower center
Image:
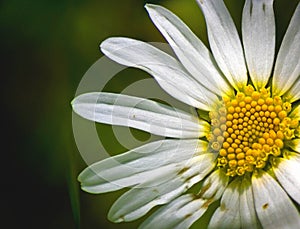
249 129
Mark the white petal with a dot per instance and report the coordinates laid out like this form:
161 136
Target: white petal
195 209
139 200
228 214
211 191
258 29
139 113
167 217
185 210
167 71
214 185
180 213
295 144
287 172
296 112
225 42
287 67
294 93
154 160
189 49
247 210
273 206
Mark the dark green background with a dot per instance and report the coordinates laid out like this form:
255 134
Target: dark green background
46 47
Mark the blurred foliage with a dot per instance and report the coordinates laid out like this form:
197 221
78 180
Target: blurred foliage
46 47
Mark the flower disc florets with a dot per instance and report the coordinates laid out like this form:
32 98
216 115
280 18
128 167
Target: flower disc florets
249 129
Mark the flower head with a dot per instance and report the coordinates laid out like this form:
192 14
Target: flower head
245 149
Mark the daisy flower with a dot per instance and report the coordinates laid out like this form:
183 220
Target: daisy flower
242 148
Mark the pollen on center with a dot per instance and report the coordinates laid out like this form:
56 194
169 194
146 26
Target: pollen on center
250 128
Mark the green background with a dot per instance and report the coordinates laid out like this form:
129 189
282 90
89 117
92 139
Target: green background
46 47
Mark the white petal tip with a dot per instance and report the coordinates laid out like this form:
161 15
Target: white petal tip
115 219
149 5
88 189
